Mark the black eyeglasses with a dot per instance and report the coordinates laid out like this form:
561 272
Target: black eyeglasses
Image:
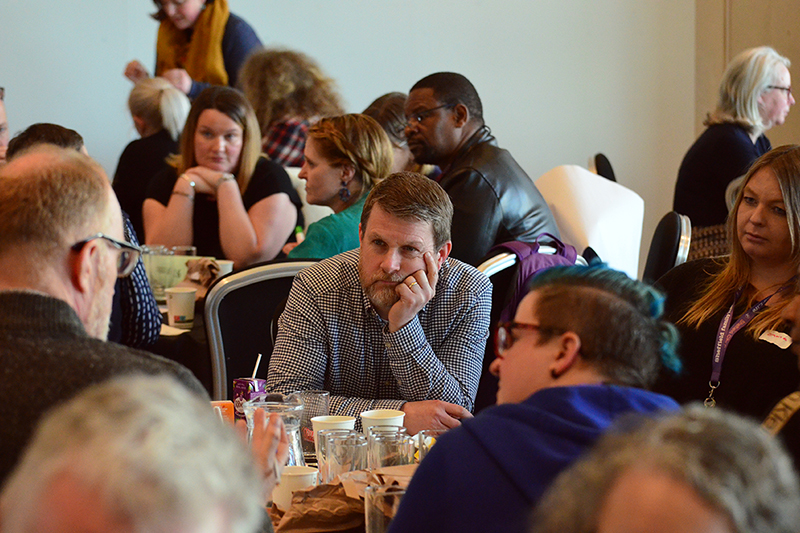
419 116
787 90
128 253
503 339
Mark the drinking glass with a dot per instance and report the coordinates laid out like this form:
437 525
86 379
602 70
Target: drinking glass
374 431
315 403
344 453
426 439
380 506
390 450
322 451
290 407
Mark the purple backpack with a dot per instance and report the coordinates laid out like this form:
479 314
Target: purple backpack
529 262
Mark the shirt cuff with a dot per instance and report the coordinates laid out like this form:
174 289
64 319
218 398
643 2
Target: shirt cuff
407 339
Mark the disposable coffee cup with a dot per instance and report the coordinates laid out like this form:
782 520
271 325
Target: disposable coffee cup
293 478
318 423
180 306
381 417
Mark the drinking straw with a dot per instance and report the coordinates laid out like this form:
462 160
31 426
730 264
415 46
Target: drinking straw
258 361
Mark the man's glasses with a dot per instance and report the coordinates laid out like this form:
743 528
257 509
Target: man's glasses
419 116
787 90
504 339
128 253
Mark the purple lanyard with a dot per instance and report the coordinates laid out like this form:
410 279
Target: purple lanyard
726 333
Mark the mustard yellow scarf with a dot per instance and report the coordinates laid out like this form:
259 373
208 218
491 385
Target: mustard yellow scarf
198 51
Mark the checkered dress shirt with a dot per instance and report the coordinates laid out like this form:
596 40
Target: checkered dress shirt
284 142
330 337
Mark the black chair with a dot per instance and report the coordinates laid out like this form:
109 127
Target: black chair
239 311
502 272
603 167
669 247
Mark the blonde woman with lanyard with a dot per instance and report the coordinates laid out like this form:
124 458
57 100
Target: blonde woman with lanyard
733 340
200 43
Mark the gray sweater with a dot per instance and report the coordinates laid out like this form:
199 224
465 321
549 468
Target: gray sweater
46 357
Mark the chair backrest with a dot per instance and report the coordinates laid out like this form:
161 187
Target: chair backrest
600 165
311 213
669 247
238 311
503 271
593 211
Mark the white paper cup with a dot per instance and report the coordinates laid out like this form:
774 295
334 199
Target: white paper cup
225 267
330 422
381 417
293 478
180 306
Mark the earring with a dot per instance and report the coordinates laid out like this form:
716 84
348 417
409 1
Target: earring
344 193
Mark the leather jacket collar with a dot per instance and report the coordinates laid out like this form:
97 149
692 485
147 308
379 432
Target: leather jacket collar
483 134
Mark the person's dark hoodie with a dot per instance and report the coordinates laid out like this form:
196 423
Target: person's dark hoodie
488 474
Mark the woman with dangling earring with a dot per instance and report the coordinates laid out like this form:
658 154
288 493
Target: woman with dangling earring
344 157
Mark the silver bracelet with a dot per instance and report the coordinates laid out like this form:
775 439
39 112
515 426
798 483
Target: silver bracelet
226 176
187 195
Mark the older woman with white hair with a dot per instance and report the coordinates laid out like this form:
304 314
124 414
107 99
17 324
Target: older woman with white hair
755 94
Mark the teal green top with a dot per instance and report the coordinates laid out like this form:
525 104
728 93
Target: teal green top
331 235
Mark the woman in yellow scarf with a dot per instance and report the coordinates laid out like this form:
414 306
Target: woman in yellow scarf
200 43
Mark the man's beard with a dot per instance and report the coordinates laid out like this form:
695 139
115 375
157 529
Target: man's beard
382 297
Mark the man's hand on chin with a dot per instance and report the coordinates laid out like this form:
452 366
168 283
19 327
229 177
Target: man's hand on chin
415 291
432 414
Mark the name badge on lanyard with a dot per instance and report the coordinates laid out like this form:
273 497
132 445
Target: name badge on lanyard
726 332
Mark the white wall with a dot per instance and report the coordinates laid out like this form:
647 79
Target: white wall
559 79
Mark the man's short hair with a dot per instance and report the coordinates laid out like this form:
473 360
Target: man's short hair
450 89
158 456
732 464
412 196
43 133
46 205
617 319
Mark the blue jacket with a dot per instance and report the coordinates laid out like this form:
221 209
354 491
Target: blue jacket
488 474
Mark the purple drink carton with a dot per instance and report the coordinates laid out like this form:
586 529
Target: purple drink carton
245 389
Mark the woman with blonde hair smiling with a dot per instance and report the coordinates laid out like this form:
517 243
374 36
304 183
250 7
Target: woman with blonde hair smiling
345 157
728 310
222 196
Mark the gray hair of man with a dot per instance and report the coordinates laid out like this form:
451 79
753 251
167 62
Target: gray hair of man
158 456
732 464
746 77
46 206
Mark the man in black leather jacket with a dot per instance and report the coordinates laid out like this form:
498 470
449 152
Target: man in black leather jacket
494 200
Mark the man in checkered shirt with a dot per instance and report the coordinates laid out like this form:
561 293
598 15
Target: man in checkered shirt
394 324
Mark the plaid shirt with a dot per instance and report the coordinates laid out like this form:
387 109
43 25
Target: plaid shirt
284 142
330 337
